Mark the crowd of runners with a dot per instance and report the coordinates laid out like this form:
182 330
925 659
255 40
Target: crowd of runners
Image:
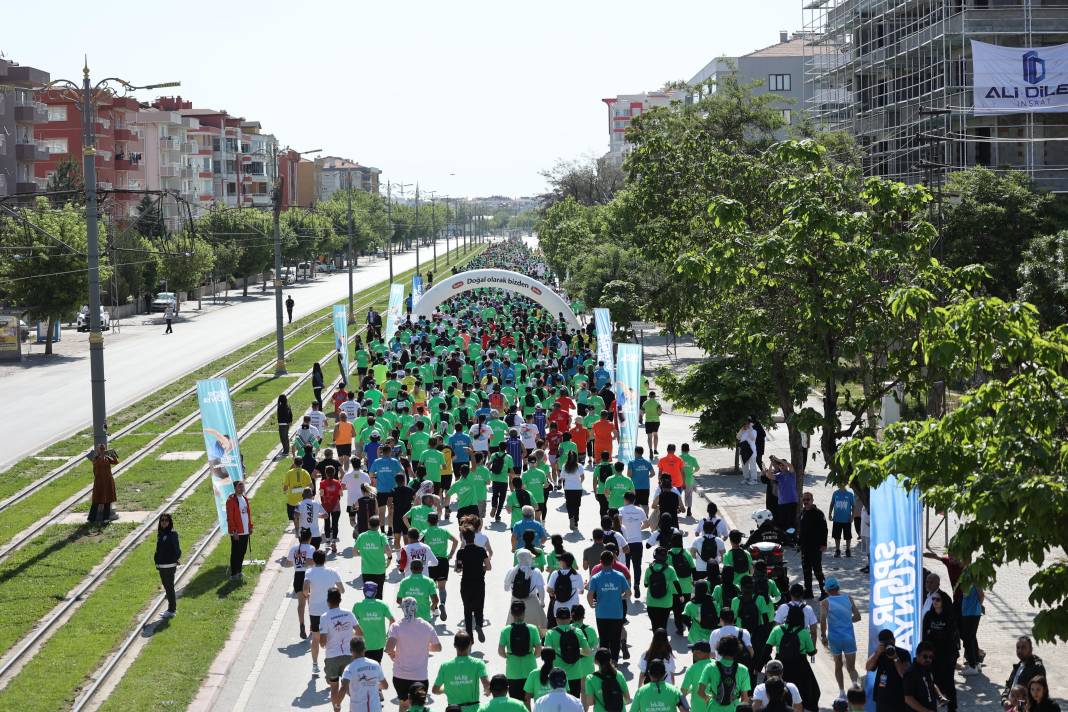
495 414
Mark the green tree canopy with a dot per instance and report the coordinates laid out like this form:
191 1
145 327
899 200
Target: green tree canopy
1043 277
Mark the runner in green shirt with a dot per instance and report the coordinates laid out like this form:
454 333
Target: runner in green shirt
594 694
460 677
375 554
652 411
443 544
555 639
518 666
421 588
418 440
502 701
617 485
371 616
689 467
701 627
416 518
433 460
691 683
537 684
363 359
727 649
659 606
657 695
465 490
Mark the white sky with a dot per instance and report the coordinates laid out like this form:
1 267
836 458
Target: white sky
492 92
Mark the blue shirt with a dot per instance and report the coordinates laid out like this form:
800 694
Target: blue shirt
371 451
385 470
600 377
529 524
459 442
608 587
787 487
970 605
640 469
842 506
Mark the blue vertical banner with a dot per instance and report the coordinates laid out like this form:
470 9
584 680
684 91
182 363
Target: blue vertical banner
394 311
220 441
626 387
603 323
896 564
341 337
417 289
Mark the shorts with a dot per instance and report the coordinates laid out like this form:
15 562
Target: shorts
437 488
641 497
402 686
439 572
841 530
446 482
842 647
361 371
291 509
460 469
314 623
298 581
652 427
344 450
335 666
383 498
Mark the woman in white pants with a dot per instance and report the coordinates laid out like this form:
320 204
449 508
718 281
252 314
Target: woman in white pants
747 435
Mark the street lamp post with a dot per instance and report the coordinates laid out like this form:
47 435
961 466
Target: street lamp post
352 254
389 219
417 227
85 94
434 225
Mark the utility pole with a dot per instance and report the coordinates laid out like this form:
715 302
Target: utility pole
279 337
417 227
352 254
389 219
434 226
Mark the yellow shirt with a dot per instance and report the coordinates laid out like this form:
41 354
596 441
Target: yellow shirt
294 481
446 469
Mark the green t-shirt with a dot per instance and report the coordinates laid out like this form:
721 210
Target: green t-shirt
417 516
594 685
807 647
710 679
615 487
514 508
417 441
656 697
372 615
691 683
552 639
433 461
534 482
517 667
460 677
586 664
480 477
533 686
689 466
466 492
651 409
765 608
363 358
504 703
745 560
372 547
421 589
506 466
673 587
696 632
438 540
685 582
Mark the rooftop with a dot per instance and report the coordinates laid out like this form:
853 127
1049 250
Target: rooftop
794 47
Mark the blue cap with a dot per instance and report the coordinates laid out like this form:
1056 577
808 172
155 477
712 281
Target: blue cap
831 583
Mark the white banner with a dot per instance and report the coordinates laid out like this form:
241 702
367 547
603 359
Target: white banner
1012 80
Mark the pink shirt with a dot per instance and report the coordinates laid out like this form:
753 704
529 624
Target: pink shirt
414 639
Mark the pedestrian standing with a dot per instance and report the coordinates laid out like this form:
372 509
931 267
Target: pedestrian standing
940 630
103 485
971 612
168 553
284 415
318 382
813 540
168 316
239 527
841 514
747 453
289 307
889 664
921 691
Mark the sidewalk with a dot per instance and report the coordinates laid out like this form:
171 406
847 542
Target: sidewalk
1008 611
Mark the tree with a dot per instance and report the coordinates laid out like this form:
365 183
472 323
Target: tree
991 220
184 271
149 220
606 264
135 263
67 177
568 231
49 280
1043 277
999 460
246 238
588 181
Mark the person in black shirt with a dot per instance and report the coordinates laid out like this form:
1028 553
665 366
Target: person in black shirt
403 496
328 461
473 562
889 664
940 630
921 692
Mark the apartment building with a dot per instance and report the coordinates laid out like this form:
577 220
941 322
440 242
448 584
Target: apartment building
309 180
258 164
119 146
778 69
897 74
335 172
19 114
623 109
176 161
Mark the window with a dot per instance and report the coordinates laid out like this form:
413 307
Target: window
55 145
785 116
57 113
3 144
778 82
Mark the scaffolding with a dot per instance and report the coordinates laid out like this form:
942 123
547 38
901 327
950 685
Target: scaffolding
896 74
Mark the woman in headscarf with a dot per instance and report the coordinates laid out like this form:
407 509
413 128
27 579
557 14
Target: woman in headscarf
527 584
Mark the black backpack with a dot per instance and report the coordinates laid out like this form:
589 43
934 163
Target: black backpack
529 400
570 648
709 614
604 471
520 585
497 466
749 614
790 647
709 548
519 639
681 564
728 683
523 497
563 588
657 582
611 693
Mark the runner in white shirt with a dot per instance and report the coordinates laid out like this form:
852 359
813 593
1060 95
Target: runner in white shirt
300 557
352 481
307 432
760 693
351 409
528 433
416 550
480 437
726 628
721 529
317 581
308 514
318 418
699 549
363 681
339 626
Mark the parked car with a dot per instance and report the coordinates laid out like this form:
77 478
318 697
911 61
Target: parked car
288 275
304 270
327 267
83 319
163 300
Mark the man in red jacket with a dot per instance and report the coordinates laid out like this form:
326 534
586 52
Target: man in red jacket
239 526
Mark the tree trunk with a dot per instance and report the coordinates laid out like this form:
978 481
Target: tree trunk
48 336
786 405
244 288
829 436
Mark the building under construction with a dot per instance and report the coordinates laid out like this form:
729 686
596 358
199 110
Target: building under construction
897 74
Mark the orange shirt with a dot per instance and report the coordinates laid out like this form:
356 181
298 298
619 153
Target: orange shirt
579 435
602 437
343 433
671 465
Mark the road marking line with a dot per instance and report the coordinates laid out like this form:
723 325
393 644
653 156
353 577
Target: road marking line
261 658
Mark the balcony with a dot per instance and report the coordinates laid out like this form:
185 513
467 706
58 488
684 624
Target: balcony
31 113
187 172
126 164
207 197
104 185
166 143
190 147
168 172
205 174
124 134
30 152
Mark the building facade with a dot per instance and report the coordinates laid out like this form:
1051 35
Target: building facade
335 172
176 161
897 75
623 109
778 69
20 113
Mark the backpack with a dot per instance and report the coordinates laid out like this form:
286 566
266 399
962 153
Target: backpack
681 564
497 467
657 582
709 615
570 648
749 614
611 693
604 471
790 647
760 587
712 575
563 587
519 639
529 400
520 585
523 497
709 548
728 683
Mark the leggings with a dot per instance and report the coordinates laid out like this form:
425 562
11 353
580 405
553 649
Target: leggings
283 436
238 547
500 493
634 560
969 630
332 531
166 577
474 598
573 502
658 617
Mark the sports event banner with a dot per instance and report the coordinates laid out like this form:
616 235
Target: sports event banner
417 289
604 340
393 313
341 336
896 564
220 441
1011 80
626 386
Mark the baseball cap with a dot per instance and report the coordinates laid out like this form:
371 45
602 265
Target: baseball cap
831 583
702 645
563 612
370 589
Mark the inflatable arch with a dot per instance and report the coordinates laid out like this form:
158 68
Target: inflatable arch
451 285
